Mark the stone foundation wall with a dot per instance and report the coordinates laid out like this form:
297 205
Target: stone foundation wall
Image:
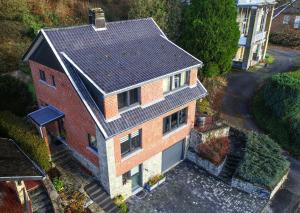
219 132
255 189
205 164
152 167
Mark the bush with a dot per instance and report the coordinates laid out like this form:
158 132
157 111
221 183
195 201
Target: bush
288 37
25 136
263 162
215 151
119 200
269 59
15 96
76 203
276 108
58 184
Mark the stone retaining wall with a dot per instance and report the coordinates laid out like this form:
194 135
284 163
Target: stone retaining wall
218 132
205 164
255 189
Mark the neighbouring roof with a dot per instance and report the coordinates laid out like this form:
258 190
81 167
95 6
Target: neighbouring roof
15 165
124 54
45 115
291 7
254 2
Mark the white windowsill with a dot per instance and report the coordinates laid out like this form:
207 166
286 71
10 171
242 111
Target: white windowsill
92 151
174 131
131 154
45 83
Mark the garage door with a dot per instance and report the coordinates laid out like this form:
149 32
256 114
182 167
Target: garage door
172 155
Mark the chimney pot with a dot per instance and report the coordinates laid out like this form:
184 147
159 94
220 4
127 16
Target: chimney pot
97 18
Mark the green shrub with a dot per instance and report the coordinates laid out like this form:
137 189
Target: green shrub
269 59
288 37
154 180
263 162
119 200
15 96
25 136
58 184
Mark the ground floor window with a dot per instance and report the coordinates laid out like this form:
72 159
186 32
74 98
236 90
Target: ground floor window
92 142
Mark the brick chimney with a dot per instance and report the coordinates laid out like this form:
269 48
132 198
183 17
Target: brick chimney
96 18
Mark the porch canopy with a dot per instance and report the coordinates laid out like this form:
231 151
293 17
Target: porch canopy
45 115
15 165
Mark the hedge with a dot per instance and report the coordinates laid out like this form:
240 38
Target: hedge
26 137
288 37
276 108
263 162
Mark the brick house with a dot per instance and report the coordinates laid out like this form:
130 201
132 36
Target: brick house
255 19
287 16
120 95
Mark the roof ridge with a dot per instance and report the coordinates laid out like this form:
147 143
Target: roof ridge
88 25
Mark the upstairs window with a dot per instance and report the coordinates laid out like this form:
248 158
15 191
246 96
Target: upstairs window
128 98
297 22
130 143
92 142
174 121
176 81
42 75
286 19
53 81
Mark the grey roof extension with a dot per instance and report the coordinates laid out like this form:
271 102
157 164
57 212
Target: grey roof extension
138 115
45 115
124 54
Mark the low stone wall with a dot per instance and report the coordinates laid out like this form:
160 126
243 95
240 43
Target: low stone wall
217 132
55 199
255 189
205 164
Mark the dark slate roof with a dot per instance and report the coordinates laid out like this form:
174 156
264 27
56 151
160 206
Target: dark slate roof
45 115
15 165
125 54
138 115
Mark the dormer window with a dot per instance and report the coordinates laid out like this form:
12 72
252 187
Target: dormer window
175 82
128 99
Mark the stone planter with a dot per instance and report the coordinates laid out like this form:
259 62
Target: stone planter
150 188
205 164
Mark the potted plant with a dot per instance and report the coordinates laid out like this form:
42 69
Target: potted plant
154 182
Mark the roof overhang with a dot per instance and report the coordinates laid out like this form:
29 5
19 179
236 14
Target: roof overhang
45 115
34 45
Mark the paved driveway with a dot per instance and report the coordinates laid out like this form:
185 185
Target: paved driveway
236 110
190 189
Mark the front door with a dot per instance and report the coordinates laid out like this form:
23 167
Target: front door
136 177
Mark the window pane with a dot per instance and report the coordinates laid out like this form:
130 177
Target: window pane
183 79
135 143
92 142
53 81
182 116
125 148
166 124
134 96
122 100
174 120
176 81
166 84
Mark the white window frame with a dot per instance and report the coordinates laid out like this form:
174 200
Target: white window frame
286 19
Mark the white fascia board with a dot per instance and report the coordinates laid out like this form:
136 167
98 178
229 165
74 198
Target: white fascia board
74 84
162 32
33 47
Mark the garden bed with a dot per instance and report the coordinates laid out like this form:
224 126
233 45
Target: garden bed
154 182
263 167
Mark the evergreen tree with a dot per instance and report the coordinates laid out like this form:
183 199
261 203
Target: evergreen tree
167 14
211 33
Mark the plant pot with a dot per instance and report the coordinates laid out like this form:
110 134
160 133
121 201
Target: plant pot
150 188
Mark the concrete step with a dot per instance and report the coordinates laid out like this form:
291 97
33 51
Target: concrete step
40 201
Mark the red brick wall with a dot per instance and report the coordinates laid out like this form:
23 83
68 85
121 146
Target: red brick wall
78 122
153 140
193 76
111 106
151 92
278 26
